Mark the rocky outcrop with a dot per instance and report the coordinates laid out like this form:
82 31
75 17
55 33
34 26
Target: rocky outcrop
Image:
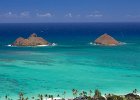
32 40
106 39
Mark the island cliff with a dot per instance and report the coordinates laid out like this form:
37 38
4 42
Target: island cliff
106 39
32 40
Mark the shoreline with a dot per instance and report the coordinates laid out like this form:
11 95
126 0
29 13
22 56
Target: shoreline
66 96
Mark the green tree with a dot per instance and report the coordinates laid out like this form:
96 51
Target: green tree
21 96
97 93
90 92
6 97
115 97
64 93
40 96
84 93
135 91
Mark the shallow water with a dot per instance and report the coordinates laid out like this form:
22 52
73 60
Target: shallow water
73 63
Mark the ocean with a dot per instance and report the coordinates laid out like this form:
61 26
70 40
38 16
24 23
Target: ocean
73 63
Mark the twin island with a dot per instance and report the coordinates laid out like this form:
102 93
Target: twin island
34 40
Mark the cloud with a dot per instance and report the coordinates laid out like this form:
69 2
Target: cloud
10 14
68 15
133 16
90 15
44 15
96 11
95 14
25 14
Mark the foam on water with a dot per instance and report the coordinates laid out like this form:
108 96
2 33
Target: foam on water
52 44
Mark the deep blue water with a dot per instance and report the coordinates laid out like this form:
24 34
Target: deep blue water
73 63
79 33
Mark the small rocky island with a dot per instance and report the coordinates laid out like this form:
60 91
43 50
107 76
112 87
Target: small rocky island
32 40
107 40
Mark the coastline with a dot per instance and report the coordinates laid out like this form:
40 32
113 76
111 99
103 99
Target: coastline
69 96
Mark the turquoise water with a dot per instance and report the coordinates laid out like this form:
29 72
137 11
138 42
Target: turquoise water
53 70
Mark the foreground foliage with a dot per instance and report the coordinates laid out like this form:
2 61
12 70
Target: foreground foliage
80 96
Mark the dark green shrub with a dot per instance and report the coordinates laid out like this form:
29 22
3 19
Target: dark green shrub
115 97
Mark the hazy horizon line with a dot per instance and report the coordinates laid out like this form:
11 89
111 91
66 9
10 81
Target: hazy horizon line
61 22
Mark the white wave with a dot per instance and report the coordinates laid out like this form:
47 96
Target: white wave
9 45
122 43
52 44
41 45
91 43
95 44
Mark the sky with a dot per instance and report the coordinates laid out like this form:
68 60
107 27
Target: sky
36 11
